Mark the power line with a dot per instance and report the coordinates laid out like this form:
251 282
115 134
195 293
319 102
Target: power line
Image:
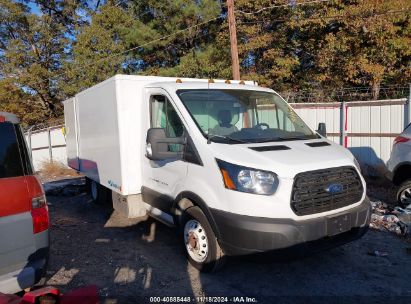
282 5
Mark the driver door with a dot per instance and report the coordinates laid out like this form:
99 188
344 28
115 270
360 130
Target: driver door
162 179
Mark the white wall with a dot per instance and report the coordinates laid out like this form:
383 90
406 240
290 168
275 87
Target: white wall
314 113
39 141
369 127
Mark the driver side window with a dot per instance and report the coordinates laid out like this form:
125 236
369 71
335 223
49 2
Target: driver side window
163 115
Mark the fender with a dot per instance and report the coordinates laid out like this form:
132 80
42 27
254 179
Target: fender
197 201
393 175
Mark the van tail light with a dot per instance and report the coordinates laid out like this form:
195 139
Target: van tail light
400 139
40 214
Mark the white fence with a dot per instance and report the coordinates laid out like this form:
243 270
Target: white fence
47 144
367 128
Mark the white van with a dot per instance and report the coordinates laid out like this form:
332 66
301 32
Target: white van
230 164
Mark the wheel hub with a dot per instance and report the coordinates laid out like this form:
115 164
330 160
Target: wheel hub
196 241
192 241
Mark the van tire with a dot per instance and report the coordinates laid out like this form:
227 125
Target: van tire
99 194
214 258
404 190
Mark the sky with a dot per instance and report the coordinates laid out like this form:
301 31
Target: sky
34 8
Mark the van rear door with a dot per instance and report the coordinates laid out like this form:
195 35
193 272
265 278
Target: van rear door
16 183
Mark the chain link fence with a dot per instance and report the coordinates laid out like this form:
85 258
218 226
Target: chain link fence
347 94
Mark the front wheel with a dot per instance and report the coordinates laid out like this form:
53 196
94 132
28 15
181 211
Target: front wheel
404 193
200 242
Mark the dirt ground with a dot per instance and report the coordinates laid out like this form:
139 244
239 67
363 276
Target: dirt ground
133 260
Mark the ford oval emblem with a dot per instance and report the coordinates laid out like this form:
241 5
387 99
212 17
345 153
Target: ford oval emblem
334 188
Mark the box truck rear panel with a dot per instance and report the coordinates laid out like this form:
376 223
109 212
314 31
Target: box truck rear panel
98 134
71 133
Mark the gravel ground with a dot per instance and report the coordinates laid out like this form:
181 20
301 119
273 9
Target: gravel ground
133 260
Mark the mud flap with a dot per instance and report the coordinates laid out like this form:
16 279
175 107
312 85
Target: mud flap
130 206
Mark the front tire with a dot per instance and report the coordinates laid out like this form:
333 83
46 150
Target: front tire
404 193
200 243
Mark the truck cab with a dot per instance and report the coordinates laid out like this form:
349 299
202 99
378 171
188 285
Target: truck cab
231 165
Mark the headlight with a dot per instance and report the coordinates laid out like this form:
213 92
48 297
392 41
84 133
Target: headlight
248 180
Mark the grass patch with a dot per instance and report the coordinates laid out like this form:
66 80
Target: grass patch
53 170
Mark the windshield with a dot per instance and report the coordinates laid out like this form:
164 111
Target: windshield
243 116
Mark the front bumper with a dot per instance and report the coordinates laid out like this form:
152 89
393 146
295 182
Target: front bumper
241 235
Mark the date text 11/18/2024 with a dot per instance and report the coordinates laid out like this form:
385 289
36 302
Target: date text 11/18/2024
205 299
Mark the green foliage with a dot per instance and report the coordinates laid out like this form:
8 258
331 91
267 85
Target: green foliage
97 48
201 64
165 18
99 51
32 52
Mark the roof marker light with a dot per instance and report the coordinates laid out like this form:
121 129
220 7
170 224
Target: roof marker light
242 82
179 80
211 81
227 81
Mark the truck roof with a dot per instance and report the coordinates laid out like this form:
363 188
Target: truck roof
204 85
4 116
157 80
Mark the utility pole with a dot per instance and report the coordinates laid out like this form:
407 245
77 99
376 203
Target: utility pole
233 40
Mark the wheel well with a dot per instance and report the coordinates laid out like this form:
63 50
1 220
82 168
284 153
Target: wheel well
402 173
186 200
181 204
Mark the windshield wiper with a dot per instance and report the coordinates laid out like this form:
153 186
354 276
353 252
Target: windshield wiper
210 137
282 139
293 138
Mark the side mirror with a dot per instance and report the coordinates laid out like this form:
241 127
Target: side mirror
322 129
158 145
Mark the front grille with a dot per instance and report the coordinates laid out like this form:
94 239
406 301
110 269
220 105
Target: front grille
310 195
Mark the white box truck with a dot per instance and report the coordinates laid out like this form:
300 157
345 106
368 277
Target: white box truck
230 164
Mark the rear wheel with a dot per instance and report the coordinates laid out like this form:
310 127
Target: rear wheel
94 191
200 242
404 193
99 194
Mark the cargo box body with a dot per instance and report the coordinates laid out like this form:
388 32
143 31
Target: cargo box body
103 133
